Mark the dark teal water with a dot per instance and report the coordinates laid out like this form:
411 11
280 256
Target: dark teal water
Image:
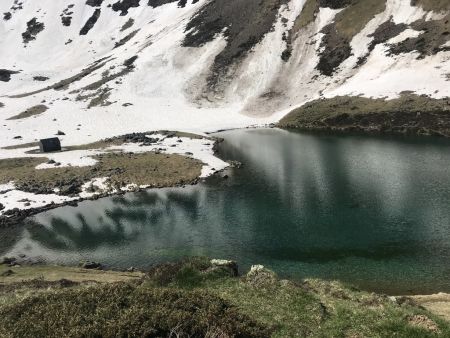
374 212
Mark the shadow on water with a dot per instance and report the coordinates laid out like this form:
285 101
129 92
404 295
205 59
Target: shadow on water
370 211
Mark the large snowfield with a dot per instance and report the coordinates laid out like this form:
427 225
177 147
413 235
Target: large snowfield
165 90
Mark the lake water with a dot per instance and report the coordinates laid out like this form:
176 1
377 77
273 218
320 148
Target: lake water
374 212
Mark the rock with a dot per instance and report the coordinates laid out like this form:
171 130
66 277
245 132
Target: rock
259 276
225 177
60 133
7 273
91 265
17 137
235 164
188 153
2 207
51 162
230 266
66 283
9 261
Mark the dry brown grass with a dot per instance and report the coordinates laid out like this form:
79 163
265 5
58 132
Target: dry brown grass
432 5
32 111
152 169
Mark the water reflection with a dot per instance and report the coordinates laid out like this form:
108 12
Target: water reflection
371 211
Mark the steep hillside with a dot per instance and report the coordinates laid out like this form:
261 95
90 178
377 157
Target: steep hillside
119 66
114 75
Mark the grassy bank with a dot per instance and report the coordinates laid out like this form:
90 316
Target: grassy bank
199 298
408 114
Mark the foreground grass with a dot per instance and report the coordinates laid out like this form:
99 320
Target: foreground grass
196 298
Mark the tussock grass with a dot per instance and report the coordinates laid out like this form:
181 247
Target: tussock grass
197 299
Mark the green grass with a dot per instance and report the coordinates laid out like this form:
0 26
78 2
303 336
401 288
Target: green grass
156 170
353 105
356 16
195 298
408 114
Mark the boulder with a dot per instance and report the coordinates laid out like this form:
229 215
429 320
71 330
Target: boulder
91 265
11 261
259 276
230 266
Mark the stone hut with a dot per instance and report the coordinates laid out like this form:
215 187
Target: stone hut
50 144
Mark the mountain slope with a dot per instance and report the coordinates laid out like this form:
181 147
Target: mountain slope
115 67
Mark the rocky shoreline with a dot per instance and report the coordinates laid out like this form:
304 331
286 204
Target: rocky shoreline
15 216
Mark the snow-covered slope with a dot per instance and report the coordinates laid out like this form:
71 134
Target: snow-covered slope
108 67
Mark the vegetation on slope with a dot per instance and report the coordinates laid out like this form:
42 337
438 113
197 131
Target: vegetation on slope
408 114
432 5
202 298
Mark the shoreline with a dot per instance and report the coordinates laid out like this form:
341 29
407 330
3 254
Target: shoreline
14 216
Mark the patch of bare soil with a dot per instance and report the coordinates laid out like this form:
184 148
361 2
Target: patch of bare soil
32 111
438 303
65 83
424 322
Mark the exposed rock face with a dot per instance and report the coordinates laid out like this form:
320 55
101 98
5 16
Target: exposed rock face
123 6
230 266
94 3
5 74
33 29
336 49
244 23
433 38
91 265
158 3
90 22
